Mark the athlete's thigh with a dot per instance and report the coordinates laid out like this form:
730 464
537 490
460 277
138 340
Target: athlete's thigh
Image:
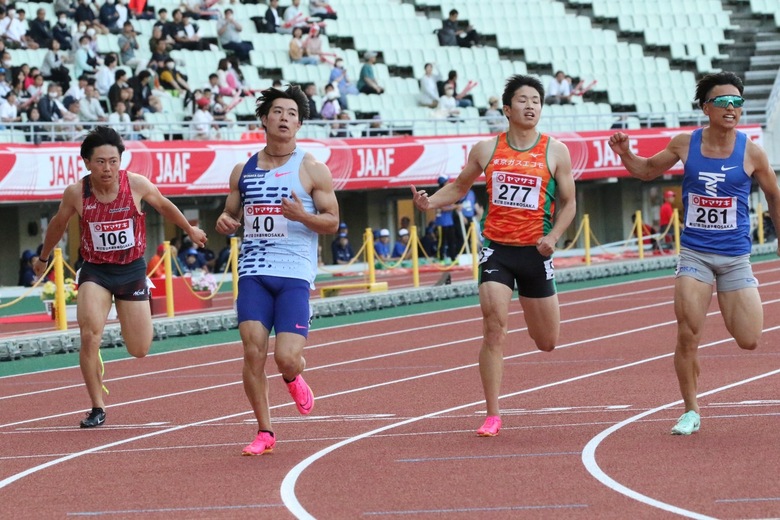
254 337
543 317
743 314
494 300
135 318
692 299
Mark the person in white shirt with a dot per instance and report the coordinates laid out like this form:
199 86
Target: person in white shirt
429 89
9 113
119 120
558 91
203 122
78 90
90 108
293 17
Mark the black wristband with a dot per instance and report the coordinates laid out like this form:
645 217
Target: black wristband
44 260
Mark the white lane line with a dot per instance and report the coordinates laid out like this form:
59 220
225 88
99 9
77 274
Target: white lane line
372 336
173 510
589 452
461 510
288 483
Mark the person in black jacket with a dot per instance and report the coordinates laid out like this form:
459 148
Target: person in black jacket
39 29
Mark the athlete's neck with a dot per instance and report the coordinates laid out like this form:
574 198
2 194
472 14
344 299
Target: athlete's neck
522 139
278 152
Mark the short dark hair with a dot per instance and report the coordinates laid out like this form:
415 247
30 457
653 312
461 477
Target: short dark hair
100 136
711 81
269 95
517 81
453 11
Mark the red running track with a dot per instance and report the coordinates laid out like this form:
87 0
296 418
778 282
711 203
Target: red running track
586 427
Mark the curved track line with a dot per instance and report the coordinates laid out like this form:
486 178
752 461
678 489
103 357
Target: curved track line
589 453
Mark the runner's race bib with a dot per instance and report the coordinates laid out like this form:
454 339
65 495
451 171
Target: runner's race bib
264 221
516 190
711 212
116 235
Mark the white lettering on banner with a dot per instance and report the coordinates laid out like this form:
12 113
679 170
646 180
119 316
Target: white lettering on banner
172 167
375 166
606 157
112 236
65 169
264 221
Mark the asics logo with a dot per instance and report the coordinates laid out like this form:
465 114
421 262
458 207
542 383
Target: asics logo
139 292
281 174
724 169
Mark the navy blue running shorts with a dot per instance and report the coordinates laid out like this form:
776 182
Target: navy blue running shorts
276 302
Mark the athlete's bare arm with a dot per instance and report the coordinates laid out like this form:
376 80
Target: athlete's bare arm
455 191
566 201
649 168
230 219
143 189
69 205
317 179
767 181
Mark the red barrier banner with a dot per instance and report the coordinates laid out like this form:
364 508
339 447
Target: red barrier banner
189 168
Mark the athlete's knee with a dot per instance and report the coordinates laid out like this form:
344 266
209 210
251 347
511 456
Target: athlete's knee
748 343
545 345
287 362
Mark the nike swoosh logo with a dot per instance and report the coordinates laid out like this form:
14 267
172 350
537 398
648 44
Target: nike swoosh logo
300 326
724 169
282 174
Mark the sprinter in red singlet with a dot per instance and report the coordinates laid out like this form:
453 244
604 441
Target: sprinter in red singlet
531 202
113 241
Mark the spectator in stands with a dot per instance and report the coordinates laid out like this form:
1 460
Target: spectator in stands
331 108
27 276
340 129
451 33
65 7
105 75
382 245
9 113
33 131
187 34
172 80
87 14
399 249
666 215
119 120
272 18
53 67
109 16
429 242
367 82
39 29
142 92
47 106
338 75
558 91
229 31
647 233
78 90
297 52
115 91
312 46
203 122
341 249
16 31
91 110
85 60
213 84
200 9
128 45
156 267
62 32
375 128
160 53
124 13
445 224
167 29
495 117
429 90
192 262
140 128
322 10
463 97
311 90
223 256
293 17
36 89
73 130
447 106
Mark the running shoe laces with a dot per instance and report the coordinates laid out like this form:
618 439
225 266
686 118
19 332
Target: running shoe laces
95 417
688 423
301 394
263 443
490 427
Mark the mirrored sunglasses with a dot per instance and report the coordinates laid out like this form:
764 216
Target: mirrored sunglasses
723 101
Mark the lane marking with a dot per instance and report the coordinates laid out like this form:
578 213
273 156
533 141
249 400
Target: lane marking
589 452
173 510
473 509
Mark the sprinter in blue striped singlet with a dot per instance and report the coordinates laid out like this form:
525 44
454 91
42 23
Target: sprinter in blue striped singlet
285 198
720 165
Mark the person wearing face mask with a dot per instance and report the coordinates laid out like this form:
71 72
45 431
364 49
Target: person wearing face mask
49 111
62 32
331 108
172 80
85 60
87 14
338 76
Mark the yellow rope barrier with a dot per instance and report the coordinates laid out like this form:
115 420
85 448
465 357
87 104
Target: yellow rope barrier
189 284
453 263
576 237
27 293
352 261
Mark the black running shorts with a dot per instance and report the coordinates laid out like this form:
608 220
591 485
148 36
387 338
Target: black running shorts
522 267
125 282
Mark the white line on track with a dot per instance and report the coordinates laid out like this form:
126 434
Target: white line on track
589 452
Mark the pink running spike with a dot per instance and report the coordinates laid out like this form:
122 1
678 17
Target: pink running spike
263 443
490 427
301 394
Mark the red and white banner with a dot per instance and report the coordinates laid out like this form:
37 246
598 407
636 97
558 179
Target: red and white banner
189 168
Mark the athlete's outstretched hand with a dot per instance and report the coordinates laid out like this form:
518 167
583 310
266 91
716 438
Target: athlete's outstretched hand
420 199
198 236
619 143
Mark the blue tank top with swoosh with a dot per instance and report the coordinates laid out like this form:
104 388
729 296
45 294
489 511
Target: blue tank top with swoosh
272 244
715 200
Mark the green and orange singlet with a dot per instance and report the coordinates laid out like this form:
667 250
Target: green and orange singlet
521 193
